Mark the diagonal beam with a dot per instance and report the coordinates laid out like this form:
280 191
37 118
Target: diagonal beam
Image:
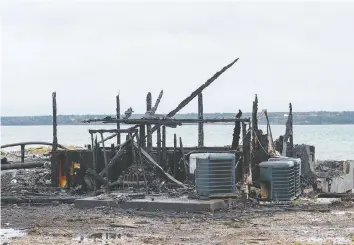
153 162
196 92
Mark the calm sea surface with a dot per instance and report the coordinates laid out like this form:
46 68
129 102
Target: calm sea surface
331 141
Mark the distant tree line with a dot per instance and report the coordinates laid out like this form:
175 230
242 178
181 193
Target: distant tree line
300 118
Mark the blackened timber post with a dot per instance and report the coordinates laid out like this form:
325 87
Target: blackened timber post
54 158
158 134
22 153
237 132
245 151
104 154
291 138
254 114
200 124
142 141
183 158
134 159
141 160
148 127
95 166
164 153
118 117
174 154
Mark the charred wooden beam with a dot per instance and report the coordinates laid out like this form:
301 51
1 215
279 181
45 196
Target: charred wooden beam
291 135
22 153
142 141
164 153
104 153
155 164
269 134
95 162
141 160
254 114
97 176
118 117
175 122
186 170
146 121
100 131
32 143
134 158
54 158
148 127
246 150
288 131
25 165
67 167
174 153
158 142
198 91
131 129
237 132
115 157
200 124
153 110
55 136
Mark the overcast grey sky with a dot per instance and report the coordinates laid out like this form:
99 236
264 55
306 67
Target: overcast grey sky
88 51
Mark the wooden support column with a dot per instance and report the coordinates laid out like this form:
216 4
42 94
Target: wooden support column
96 154
291 139
94 159
200 124
104 154
54 158
118 117
142 141
164 153
141 160
158 142
22 153
246 151
174 154
186 170
134 160
237 132
254 114
148 127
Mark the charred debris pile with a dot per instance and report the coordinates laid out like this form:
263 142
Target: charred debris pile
136 165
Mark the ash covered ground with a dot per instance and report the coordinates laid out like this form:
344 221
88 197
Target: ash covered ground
246 222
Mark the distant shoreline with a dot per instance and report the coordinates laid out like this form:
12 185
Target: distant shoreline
275 118
193 124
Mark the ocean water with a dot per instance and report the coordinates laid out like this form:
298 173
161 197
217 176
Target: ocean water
331 141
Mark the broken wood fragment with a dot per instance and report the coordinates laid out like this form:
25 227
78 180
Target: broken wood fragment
200 124
118 117
155 164
148 127
20 165
122 225
115 157
197 91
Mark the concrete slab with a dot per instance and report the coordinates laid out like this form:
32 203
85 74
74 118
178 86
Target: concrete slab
153 203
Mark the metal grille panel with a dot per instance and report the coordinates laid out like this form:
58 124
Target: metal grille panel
215 175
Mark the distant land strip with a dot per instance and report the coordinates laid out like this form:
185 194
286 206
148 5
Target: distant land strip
300 118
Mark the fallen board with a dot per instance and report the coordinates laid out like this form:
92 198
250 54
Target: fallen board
152 161
153 203
36 199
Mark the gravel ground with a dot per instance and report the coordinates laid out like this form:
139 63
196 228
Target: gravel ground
246 223
64 224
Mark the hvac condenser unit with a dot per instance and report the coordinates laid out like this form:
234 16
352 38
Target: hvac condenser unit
215 174
297 168
277 180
